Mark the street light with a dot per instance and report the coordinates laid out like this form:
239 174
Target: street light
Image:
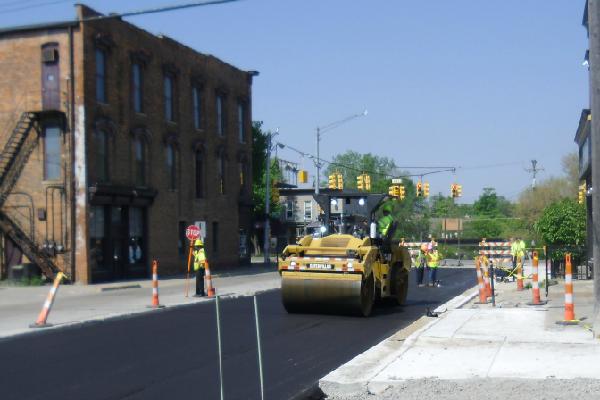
323 129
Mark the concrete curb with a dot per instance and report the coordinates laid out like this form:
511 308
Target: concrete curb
353 377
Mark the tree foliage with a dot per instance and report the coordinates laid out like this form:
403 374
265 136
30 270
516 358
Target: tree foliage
351 164
259 162
562 224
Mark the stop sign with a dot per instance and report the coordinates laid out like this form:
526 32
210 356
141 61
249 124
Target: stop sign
192 232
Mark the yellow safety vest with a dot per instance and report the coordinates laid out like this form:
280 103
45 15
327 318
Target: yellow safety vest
433 260
199 259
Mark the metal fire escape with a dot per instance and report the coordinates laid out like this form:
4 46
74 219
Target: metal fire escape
14 156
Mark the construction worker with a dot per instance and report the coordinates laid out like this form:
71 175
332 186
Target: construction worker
517 250
421 261
384 223
199 265
433 262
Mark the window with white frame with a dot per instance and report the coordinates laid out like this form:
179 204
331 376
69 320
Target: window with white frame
307 210
289 210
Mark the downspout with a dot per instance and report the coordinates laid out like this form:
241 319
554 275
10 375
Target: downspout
72 153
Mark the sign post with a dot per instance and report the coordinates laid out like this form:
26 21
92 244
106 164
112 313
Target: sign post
192 232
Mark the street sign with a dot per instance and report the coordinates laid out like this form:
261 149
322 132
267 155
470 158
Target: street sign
192 232
397 181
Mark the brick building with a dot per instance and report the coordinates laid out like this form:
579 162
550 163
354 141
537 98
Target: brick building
114 141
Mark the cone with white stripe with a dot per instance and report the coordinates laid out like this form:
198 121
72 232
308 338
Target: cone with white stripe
569 304
210 290
482 291
535 286
155 302
43 316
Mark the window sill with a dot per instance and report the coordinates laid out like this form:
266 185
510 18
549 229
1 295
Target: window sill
140 114
56 182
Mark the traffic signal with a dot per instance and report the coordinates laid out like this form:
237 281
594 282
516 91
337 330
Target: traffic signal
419 189
453 190
581 194
360 182
426 189
392 191
458 190
401 192
274 192
367 181
332 181
340 181
302 176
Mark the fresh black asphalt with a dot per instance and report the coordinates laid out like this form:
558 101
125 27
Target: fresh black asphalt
172 353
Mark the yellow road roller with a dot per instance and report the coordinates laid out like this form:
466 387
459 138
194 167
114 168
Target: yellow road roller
345 266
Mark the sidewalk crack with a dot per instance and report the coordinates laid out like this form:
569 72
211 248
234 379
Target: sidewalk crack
487 373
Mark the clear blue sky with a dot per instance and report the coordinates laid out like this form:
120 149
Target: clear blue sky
466 83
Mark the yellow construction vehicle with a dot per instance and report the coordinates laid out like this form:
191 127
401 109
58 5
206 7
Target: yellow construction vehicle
339 272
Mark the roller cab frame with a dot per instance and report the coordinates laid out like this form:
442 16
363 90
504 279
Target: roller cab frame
345 273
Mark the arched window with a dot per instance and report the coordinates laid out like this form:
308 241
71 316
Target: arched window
139 161
171 166
199 177
101 152
221 167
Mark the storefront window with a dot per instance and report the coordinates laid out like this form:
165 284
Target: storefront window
136 235
97 237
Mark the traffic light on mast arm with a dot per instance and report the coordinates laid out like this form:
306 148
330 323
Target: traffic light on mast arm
419 189
340 181
367 179
360 182
332 181
426 189
401 192
458 190
581 193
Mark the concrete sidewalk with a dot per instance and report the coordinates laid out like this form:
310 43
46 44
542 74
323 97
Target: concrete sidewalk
475 351
75 304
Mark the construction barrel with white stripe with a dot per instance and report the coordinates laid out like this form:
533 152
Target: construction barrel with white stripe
482 291
43 316
535 282
155 302
569 305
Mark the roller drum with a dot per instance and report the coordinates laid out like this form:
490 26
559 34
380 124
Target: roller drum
328 294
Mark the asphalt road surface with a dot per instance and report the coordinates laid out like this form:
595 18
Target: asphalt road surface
172 353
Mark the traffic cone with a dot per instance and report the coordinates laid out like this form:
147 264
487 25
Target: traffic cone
569 303
535 282
520 274
486 277
210 291
43 316
155 302
482 293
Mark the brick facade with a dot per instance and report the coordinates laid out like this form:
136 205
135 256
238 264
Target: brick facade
131 174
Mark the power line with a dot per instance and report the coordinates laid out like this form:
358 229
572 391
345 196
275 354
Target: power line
30 6
351 168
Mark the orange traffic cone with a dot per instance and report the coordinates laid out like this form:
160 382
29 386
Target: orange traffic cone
569 303
155 302
41 319
210 291
520 274
482 291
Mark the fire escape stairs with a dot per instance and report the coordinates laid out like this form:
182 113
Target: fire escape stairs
13 158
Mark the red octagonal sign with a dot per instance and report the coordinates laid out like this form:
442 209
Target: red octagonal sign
192 232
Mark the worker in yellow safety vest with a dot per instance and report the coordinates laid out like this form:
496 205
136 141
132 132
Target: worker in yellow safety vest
433 262
517 250
199 265
421 262
384 223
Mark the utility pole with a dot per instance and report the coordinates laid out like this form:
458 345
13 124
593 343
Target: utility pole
594 63
318 163
534 170
267 244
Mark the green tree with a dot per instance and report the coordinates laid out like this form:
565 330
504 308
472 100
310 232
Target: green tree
351 164
259 162
562 224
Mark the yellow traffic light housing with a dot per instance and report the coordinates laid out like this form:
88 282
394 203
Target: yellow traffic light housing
458 190
367 179
340 181
401 192
360 182
453 190
426 189
419 189
392 191
302 176
581 193
332 181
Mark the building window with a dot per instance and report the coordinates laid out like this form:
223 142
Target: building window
169 98
136 236
241 124
101 152
182 242
136 83
221 173
100 76
197 104
289 210
139 152
307 210
172 166
97 241
215 237
220 115
52 153
199 160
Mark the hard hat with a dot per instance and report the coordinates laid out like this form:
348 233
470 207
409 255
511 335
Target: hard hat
198 242
424 247
387 207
